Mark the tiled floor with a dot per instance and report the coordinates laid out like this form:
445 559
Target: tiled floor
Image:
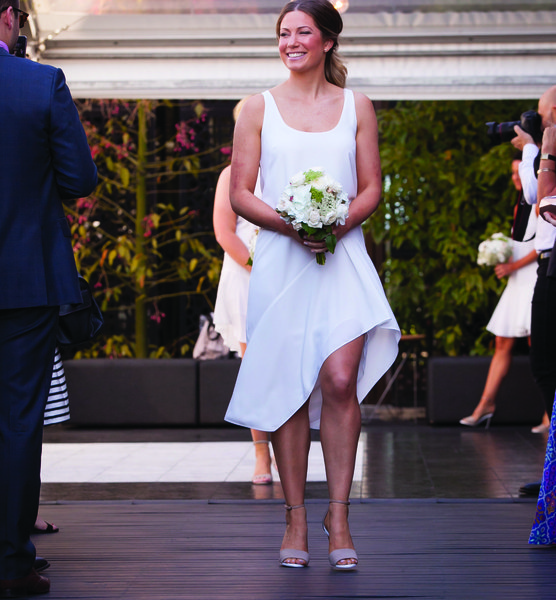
163 462
395 460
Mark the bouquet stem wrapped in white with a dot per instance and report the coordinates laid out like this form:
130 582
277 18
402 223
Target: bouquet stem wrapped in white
494 250
314 203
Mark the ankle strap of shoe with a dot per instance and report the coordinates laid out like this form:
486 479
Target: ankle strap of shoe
261 442
290 507
344 502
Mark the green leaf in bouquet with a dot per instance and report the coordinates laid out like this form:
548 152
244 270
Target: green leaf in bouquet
309 230
330 241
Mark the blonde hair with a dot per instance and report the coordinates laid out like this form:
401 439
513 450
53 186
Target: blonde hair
239 106
330 24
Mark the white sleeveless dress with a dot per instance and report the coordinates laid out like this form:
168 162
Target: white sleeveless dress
300 312
230 308
512 316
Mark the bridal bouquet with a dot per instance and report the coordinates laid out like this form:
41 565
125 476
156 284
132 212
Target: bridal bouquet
496 249
252 244
313 203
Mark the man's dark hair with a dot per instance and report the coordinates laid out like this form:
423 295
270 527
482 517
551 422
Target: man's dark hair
6 3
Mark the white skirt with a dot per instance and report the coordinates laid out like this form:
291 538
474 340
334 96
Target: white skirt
230 309
299 314
512 316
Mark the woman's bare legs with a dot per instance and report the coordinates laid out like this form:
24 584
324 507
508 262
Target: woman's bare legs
499 367
340 427
291 444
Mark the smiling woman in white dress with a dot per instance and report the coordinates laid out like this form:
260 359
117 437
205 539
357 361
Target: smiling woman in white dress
318 336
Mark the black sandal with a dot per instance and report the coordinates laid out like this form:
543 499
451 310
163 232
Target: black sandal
49 529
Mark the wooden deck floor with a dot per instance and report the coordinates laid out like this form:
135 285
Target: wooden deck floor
197 550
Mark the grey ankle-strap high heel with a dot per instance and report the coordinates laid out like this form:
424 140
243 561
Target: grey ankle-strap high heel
288 553
342 553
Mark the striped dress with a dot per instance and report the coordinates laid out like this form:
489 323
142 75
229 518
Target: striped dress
57 403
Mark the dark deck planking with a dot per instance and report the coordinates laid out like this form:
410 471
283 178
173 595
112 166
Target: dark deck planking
227 551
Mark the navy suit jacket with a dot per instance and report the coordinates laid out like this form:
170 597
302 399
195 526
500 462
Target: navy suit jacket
44 159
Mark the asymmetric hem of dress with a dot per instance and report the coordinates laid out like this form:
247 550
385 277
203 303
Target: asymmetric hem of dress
300 312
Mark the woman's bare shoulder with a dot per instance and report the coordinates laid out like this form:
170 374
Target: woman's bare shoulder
253 109
362 102
364 109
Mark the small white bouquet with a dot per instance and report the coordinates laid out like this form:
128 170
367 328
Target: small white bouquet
496 249
313 203
252 244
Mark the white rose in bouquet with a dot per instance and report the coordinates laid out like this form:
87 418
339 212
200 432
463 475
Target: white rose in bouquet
314 219
298 179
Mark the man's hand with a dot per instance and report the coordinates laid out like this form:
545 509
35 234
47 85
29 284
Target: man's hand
549 140
522 138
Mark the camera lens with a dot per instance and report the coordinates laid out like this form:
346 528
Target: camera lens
501 132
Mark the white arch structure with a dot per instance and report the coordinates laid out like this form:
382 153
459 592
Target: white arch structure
403 49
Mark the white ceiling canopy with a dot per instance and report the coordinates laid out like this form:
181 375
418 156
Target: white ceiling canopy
226 49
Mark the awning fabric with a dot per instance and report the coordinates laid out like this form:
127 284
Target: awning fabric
390 55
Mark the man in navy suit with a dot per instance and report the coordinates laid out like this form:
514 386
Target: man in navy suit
44 159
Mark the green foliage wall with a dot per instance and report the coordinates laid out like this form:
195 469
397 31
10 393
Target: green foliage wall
144 238
446 188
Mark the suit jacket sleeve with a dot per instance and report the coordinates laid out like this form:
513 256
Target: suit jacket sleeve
75 171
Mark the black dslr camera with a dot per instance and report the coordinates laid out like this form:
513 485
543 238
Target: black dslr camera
530 122
21 46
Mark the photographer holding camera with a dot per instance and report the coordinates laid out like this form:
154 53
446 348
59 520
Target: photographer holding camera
543 325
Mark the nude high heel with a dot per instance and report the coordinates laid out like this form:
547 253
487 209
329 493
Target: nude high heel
287 553
263 478
342 553
471 422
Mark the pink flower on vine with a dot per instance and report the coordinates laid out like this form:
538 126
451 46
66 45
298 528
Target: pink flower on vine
158 316
84 203
122 152
226 150
148 225
184 138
